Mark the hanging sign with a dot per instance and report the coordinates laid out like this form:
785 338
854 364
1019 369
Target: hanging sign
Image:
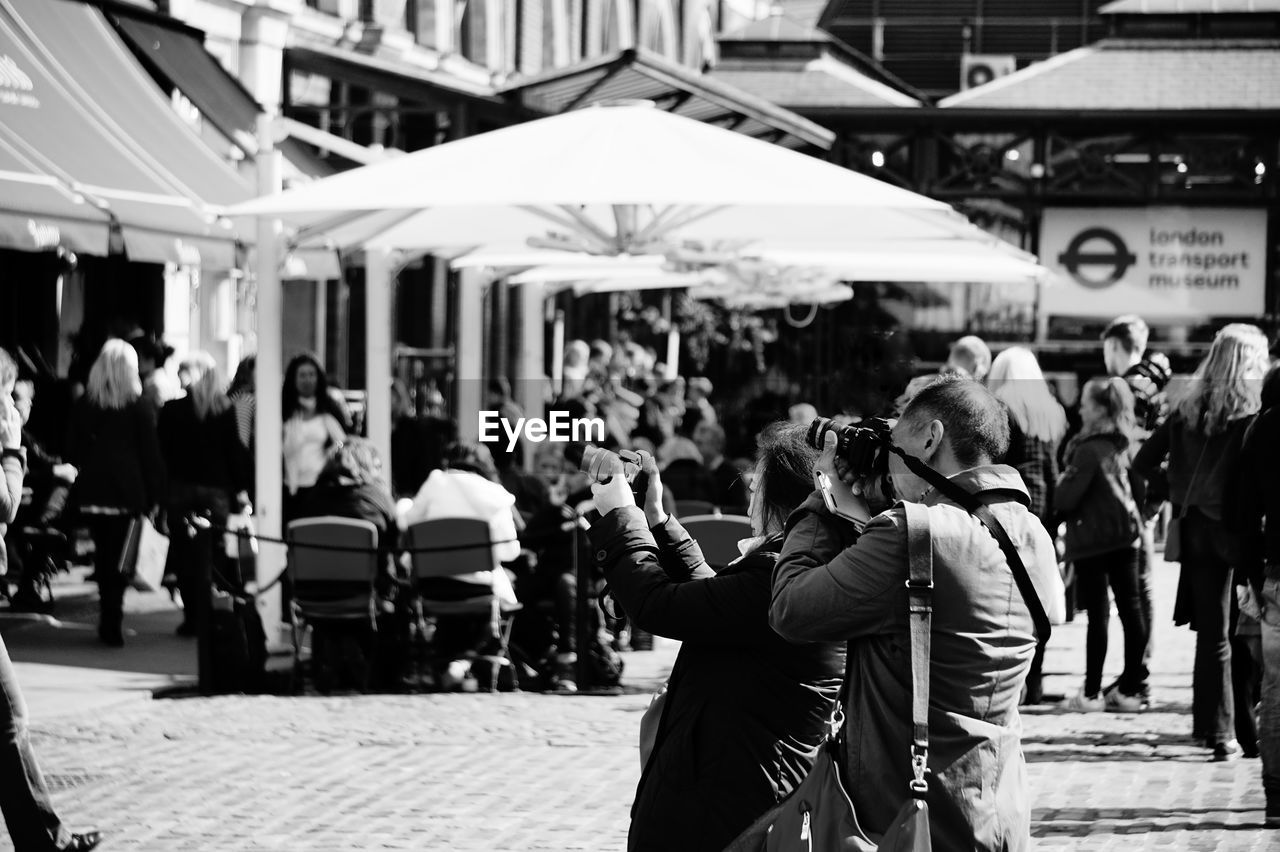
1169 262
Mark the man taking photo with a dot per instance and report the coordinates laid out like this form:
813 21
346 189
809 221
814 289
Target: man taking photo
827 587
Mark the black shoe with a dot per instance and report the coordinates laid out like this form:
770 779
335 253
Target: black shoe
112 637
186 628
1223 752
83 841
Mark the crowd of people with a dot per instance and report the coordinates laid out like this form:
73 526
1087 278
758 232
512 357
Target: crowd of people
986 445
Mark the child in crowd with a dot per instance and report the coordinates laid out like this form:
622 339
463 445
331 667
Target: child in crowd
1095 498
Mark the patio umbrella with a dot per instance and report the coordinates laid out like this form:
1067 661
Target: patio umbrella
607 180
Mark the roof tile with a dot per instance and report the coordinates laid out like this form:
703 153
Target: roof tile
1122 75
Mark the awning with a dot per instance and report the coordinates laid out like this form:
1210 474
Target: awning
177 52
40 213
638 74
82 118
377 72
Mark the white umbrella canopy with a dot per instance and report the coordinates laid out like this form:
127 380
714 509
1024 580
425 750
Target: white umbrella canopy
607 180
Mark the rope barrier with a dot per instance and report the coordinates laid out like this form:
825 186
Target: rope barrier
203 524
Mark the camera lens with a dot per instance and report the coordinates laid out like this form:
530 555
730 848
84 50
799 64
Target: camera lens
818 432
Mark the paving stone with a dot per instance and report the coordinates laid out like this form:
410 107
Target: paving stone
540 772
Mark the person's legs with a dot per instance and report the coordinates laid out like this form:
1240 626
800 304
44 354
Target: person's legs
1212 705
1091 578
1123 574
24 798
1242 682
1146 562
1269 716
109 535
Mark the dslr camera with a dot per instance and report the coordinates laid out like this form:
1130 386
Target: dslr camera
601 465
864 446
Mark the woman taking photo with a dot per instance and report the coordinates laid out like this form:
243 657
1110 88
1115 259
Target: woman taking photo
209 469
1095 498
113 443
745 710
1202 439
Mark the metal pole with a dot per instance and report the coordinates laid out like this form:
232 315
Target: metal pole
379 280
269 378
582 572
203 604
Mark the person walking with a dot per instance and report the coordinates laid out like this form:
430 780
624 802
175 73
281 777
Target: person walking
1036 426
1201 440
1103 533
25 800
113 443
209 470
746 710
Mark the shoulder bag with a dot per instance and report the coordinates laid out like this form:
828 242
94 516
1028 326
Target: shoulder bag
1173 533
819 815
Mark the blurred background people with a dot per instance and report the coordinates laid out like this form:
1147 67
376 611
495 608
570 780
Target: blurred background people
209 472
313 424
352 484
113 443
1037 424
1095 499
1201 440
971 356
467 487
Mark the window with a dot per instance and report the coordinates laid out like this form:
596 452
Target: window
658 28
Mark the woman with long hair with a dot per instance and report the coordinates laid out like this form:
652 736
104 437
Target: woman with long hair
313 426
1202 440
1037 424
1103 525
114 445
745 710
209 469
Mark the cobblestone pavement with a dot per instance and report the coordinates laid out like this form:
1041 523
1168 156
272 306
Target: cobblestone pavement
541 772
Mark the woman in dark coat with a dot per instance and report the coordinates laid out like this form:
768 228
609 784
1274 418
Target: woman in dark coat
113 444
1202 440
209 468
745 711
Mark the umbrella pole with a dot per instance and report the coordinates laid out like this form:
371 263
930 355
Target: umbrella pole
268 379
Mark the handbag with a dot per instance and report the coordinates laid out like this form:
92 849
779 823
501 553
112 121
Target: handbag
142 559
819 815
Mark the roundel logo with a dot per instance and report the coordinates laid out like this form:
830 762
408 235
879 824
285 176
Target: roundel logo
1097 258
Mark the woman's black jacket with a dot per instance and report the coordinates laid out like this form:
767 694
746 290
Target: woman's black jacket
746 711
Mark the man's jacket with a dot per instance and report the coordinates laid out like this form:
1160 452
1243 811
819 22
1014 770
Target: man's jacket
983 641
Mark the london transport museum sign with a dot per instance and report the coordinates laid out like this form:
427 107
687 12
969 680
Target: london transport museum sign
1171 262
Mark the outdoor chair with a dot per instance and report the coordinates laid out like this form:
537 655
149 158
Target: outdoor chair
446 548
718 536
331 587
690 508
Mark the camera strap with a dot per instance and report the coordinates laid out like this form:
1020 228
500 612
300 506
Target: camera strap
972 504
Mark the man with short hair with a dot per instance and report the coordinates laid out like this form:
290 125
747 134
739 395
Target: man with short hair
728 491
832 584
1124 352
971 356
